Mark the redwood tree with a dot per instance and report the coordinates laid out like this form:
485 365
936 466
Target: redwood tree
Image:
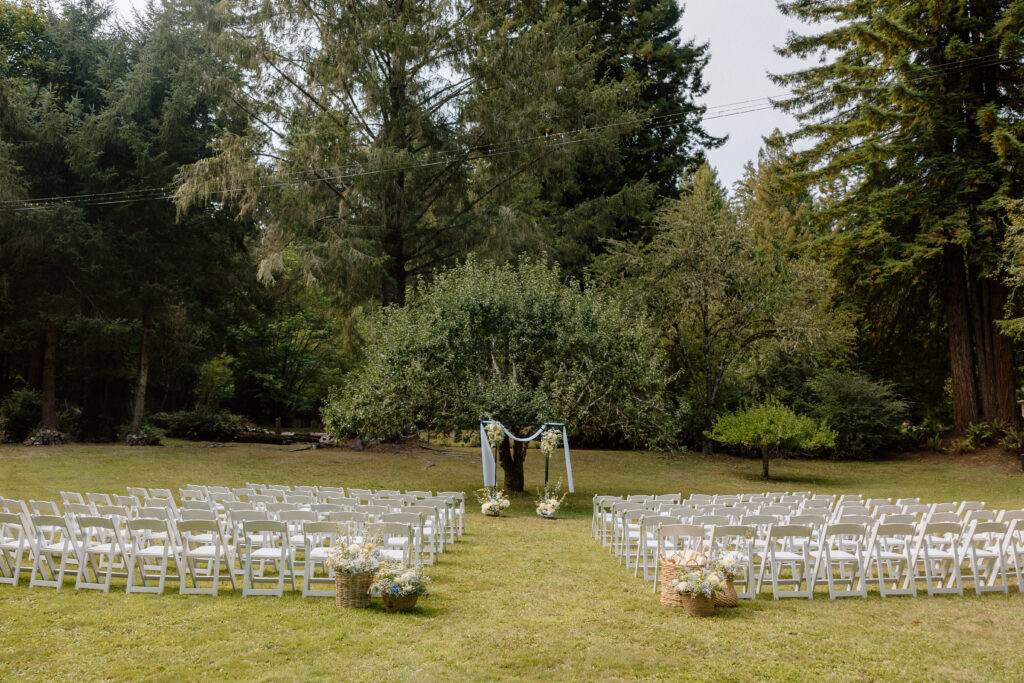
904 115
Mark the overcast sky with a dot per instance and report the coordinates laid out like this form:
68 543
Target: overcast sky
742 34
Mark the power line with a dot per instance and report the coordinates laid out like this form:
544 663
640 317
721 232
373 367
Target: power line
726 110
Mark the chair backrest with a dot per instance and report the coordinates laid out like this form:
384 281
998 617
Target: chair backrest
779 510
980 516
148 524
71 497
113 511
813 520
358 518
297 516
908 501
949 517
243 491
916 509
78 509
900 519
780 531
711 520
882 510
195 515
1010 515
198 526
323 534
277 508
45 507
98 498
843 529
129 501
690 531
299 498
309 490
941 529
325 508
943 507
760 520
968 505
875 502
988 529
264 527
238 506
866 520
655 521
149 512
243 516
195 504
87 522
161 493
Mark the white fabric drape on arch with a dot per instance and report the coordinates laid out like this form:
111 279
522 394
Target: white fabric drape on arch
490 464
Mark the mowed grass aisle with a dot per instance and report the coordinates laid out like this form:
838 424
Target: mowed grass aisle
519 597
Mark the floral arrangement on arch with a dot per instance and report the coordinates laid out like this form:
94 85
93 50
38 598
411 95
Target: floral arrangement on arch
397 580
695 581
549 500
492 500
495 433
354 558
549 441
726 565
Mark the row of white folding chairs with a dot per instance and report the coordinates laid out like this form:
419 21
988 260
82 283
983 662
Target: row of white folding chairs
634 527
145 550
429 520
848 556
453 515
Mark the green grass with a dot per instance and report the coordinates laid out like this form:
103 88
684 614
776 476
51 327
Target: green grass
519 597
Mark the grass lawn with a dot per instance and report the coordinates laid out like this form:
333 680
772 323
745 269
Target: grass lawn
519 597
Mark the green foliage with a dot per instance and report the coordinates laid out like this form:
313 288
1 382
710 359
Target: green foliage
215 384
512 342
19 414
865 414
773 425
199 424
1012 439
718 300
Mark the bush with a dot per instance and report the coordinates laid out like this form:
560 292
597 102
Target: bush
865 414
774 428
216 383
20 414
514 343
200 425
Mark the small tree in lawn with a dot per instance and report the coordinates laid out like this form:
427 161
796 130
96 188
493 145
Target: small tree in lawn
772 427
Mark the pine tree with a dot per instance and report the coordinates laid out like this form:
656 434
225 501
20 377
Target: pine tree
910 118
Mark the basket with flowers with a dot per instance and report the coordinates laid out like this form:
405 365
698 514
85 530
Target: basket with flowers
726 564
697 587
354 565
399 586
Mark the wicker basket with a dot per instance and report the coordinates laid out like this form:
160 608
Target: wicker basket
352 590
728 597
669 570
399 603
698 606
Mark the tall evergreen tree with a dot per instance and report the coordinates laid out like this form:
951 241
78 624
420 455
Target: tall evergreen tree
614 194
390 136
910 114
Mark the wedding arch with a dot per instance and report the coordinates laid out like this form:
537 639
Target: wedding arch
490 464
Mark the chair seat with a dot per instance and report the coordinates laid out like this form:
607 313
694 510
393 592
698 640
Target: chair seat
102 548
153 551
393 554
318 553
786 556
205 551
202 539
266 554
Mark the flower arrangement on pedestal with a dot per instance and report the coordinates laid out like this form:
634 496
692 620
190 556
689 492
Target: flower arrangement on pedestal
549 441
549 500
492 500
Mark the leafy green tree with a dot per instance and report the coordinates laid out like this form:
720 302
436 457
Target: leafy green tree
865 414
511 343
774 429
388 138
912 116
719 300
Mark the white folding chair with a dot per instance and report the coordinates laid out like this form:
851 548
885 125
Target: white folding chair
984 547
939 553
319 538
647 547
676 537
892 555
56 550
103 552
739 539
203 552
15 541
788 546
840 560
151 549
395 538
273 548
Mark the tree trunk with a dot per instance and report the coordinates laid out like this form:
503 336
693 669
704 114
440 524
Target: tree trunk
961 347
512 460
764 461
35 363
142 376
50 379
996 377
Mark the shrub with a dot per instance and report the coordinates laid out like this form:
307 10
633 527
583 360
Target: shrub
216 383
199 424
20 414
774 428
865 414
